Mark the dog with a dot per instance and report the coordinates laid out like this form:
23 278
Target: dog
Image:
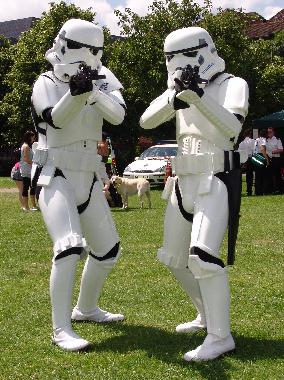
125 187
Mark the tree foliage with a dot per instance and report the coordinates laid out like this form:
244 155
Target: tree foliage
138 61
269 88
5 64
27 62
259 62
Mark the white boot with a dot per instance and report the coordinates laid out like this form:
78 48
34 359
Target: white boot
66 339
191 287
212 347
93 279
216 300
61 289
197 324
96 315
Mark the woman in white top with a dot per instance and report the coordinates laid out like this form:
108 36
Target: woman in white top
26 167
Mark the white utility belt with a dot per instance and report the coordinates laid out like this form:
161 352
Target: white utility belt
63 159
204 163
198 163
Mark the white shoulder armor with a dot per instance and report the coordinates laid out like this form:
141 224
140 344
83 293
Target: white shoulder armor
44 92
233 95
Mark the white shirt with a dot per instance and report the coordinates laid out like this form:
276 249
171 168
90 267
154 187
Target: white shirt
260 141
247 145
272 144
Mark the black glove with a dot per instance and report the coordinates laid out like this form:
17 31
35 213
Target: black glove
179 85
81 82
189 80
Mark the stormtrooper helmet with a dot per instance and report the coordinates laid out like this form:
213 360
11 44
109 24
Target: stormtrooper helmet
191 46
77 41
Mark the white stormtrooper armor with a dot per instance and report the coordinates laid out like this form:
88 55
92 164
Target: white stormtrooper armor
209 114
68 110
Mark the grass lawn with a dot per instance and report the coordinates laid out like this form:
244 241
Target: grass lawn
144 346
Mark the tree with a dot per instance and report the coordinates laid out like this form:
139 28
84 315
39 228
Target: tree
139 62
27 62
255 61
269 89
5 64
140 65
227 29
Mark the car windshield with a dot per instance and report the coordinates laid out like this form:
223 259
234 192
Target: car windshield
159 151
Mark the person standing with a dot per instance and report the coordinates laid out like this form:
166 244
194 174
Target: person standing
261 171
17 178
103 148
69 105
274 150
209 106
248 146
25 169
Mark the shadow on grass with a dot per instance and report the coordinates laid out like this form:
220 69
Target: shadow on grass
169 347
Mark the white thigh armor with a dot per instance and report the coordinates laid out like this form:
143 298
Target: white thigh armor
74 208
193 220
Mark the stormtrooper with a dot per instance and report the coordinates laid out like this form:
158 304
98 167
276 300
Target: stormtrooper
203 198
69 105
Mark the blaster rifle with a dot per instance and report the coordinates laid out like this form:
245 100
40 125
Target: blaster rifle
82 81
189 80
87 73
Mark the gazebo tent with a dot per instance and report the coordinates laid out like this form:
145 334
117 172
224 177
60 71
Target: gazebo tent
274 120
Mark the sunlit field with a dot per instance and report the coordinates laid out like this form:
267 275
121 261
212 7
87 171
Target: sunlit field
145 345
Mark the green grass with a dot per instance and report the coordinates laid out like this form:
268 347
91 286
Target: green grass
6 182
144 346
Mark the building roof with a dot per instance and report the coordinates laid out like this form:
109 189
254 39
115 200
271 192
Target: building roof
258 28
278 16
266 28
13 28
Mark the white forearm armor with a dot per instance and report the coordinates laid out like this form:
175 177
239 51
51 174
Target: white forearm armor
159 111
63 119
222 119
68 108
212 116
110 106
232 98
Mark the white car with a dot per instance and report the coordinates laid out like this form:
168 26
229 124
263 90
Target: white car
151 164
